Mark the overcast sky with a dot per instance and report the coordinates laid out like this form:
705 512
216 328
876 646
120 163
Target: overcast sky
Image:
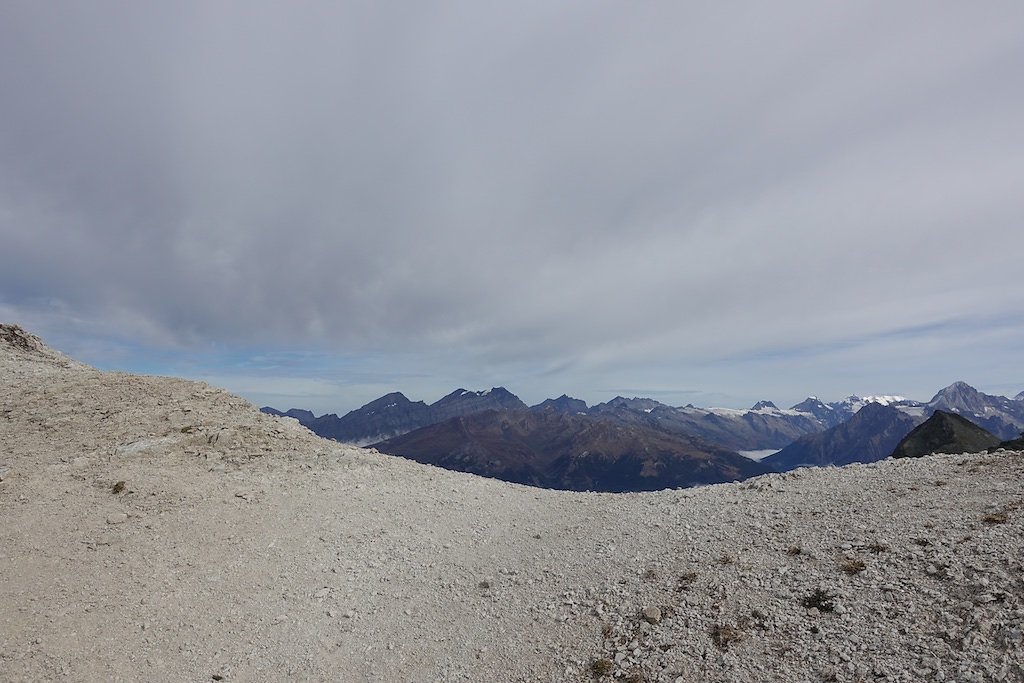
315 204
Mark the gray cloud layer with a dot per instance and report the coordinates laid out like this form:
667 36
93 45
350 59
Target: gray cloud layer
565 186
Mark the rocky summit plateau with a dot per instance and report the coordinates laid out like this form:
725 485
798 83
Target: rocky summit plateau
156 529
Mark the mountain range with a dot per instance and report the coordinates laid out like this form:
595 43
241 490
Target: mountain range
871 434
764 426
641 442
393 414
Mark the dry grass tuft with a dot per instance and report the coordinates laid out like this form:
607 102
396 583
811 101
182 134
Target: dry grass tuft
601 667
724 635
852 566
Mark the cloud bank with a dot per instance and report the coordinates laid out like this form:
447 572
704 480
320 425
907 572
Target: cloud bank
579 194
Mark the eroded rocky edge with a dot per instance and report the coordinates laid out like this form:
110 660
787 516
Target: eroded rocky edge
159 529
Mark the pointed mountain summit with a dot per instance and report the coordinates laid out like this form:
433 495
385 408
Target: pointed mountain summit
620 404
944 432
463 402
1019 397
999 415
382 418
764 405
960 397
825 413
563 404
848 407
393 414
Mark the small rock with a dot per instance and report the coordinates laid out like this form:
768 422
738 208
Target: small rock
117 518
652 615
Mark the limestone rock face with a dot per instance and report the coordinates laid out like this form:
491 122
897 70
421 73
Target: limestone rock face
19 343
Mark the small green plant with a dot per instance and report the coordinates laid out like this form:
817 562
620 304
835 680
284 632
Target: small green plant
996 518
820 600
877 548
601 667
852 566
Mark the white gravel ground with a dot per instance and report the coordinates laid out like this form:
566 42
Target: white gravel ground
243 548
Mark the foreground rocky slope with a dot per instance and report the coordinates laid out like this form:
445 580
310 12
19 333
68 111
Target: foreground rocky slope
157 529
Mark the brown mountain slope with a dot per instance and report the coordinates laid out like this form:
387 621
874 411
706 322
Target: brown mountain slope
554 449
